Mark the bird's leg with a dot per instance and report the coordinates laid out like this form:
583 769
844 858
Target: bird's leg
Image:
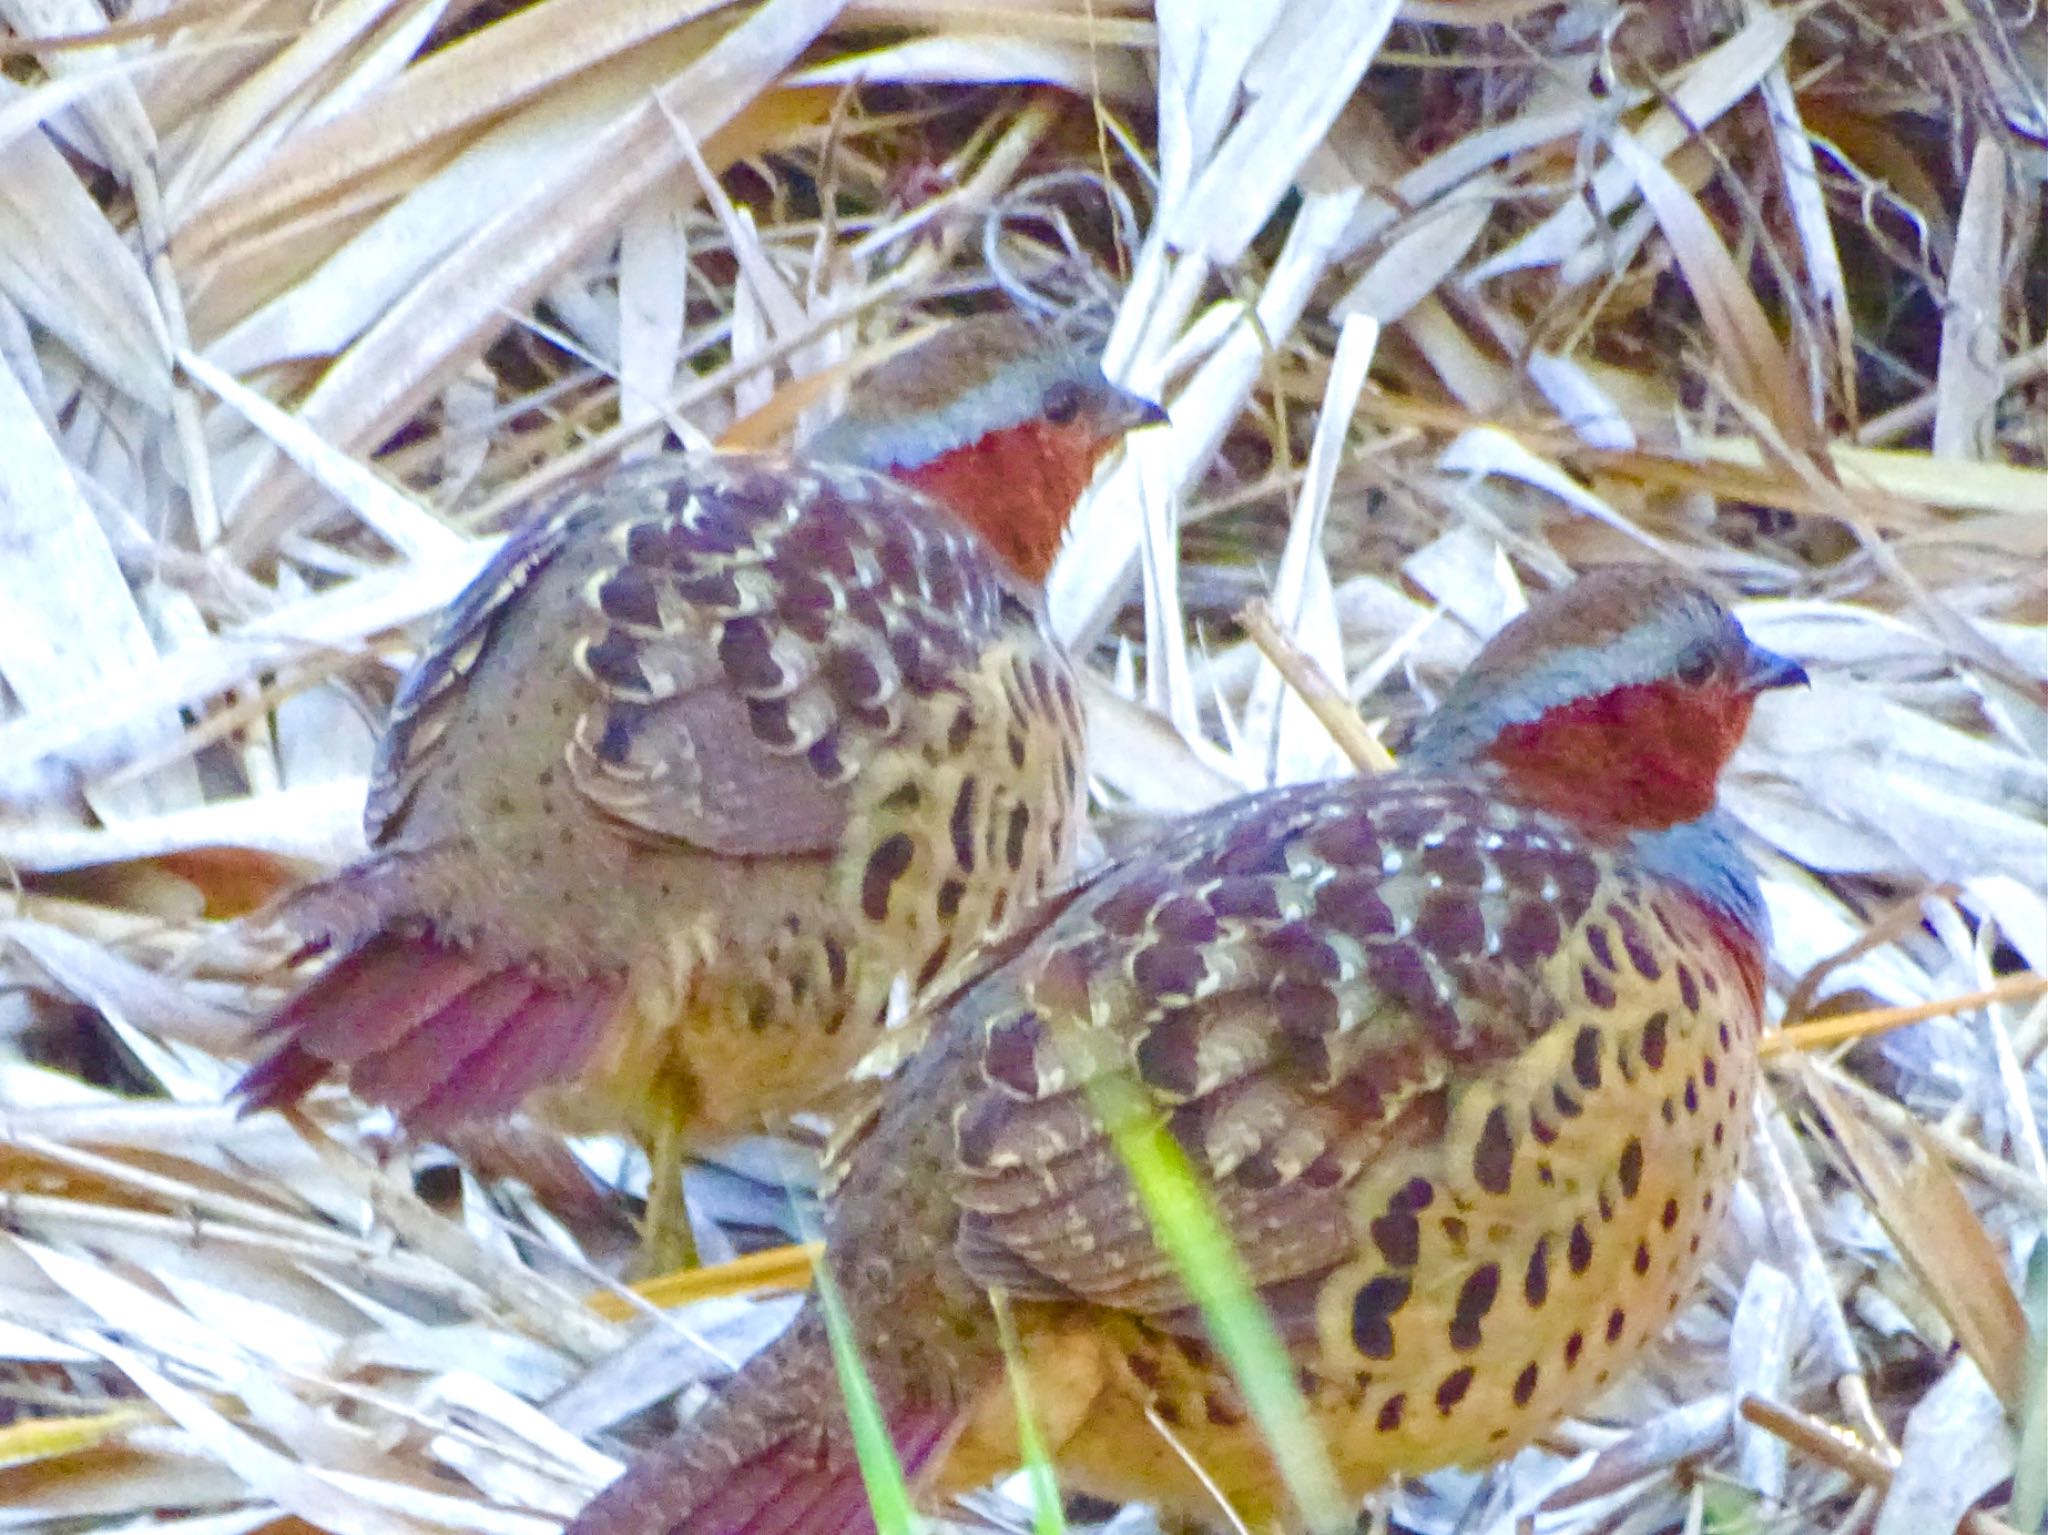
667 1244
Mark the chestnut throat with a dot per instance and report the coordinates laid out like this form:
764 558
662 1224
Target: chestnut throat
1016 488
1639 758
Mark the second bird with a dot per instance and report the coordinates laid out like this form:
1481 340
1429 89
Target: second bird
713 752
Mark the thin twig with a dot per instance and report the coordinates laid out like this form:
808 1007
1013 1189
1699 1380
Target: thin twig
1821 1032
1324 699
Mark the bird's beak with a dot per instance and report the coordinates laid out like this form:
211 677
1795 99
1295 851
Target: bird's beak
1132 411
1767 669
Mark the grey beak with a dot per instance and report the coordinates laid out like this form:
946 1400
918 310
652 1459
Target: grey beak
1768 670
1134 411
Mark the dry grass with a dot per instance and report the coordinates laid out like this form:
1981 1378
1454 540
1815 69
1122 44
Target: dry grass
299 302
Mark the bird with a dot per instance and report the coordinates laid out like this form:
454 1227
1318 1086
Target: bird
715 754
1463 1054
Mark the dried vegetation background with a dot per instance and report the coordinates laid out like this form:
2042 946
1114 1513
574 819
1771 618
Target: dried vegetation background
301 302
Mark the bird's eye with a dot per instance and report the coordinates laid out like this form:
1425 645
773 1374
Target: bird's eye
1696 666
1062 403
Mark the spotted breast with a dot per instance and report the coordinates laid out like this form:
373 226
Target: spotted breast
1464 1054
714 754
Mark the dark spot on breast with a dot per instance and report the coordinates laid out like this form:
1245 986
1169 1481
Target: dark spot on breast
1688 988
1493 1156
1724 1036
1070 704
1642 1258
1654 1040
1013 841
1574 1346
1630 1169
1709 1072
1475 1299
1531 935
1670 1216
886 864
1536 1279
951 892
1186 919
1451 925
1692 1096
1616 1320
961 824
1372 1312
1390 1412
1525 1385
1451 1391
1586 1058
934 962
1351 904
1168 971
1010 1052
1579 1251
1544 1133
1016 745
1221 1408
1596 940
1415 1195
903 799
1567 1106
1711 981
1640 954
1398 1237
835 963
961 730
1596 986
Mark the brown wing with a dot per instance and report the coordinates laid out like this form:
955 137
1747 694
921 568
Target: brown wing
745 633
424 709
1294 981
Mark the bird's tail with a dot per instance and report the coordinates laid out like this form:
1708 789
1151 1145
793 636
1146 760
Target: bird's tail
771 1456
430 1031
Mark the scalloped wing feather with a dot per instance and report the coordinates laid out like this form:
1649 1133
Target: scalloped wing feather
748 633
1297 981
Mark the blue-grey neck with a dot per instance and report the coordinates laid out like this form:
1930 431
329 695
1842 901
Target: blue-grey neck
1704 858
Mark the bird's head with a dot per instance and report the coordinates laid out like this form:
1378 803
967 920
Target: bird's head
1616 701
1000 420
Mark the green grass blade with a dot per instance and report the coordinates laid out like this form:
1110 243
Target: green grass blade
1184 1220
1047 1516
880 1470
2030 1481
